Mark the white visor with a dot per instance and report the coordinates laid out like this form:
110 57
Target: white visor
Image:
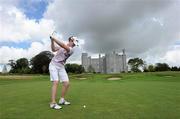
75 41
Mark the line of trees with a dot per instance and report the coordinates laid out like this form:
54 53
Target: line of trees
138 65
39 64
74 68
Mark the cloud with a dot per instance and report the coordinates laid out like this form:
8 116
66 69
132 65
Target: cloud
109 25
145 28
173 56
16 27
7 53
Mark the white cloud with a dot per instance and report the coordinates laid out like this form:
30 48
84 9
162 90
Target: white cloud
8 53
173 56
16 27
144 28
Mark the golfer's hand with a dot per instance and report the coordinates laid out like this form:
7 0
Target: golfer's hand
51 37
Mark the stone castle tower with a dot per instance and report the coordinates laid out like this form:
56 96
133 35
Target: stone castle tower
4 70
110 63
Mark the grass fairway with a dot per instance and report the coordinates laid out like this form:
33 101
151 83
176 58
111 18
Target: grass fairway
134 96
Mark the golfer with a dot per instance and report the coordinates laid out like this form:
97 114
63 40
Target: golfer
57 69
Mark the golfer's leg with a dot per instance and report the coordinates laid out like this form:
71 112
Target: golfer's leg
65 87
54 91
54 78
65 82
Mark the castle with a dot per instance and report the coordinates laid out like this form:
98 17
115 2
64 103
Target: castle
110 63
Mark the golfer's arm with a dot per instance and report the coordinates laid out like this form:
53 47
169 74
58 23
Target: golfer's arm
53 48
61 44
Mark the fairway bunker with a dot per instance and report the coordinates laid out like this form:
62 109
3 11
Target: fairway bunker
16 77
168 76
82 78
114 78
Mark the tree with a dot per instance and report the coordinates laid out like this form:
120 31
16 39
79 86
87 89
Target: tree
145 68
91 69
81 69
40 62
74 68
162 67
135 64
151 68
175 68
12 63
22 63
20 66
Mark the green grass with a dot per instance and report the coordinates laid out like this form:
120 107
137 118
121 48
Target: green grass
135 96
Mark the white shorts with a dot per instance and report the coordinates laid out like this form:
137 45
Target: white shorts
58 73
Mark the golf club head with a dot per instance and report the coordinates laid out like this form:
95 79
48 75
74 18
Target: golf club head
53 33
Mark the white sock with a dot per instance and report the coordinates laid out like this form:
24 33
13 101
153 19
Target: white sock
62 99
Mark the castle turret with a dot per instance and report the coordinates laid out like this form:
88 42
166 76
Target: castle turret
84 59
124 61
100 69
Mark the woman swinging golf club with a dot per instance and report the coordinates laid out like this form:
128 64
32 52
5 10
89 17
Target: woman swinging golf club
57 69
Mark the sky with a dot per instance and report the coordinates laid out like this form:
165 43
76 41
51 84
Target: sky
149 29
